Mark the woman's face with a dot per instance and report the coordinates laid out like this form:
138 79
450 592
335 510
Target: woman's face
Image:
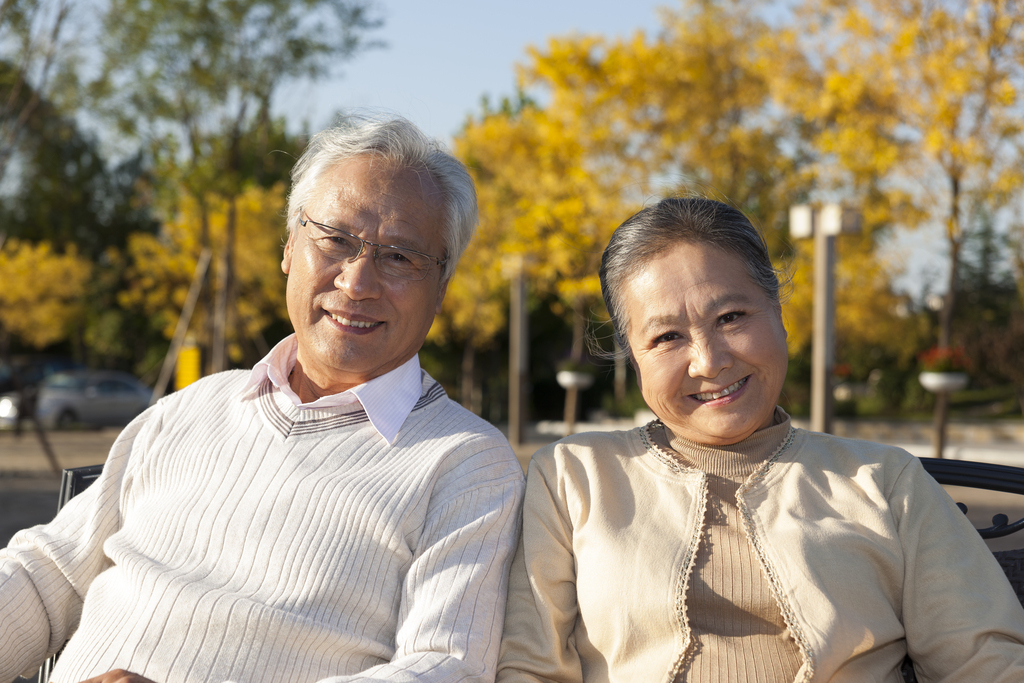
708 346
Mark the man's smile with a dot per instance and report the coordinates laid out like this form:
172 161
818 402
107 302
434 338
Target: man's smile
353 323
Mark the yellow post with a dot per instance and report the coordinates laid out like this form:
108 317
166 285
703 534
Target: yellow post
187 367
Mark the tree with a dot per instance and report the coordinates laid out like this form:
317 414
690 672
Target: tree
200 78
160 268
546 205
66 192
687 110
36 62
918 102
42 300
989 317
475 305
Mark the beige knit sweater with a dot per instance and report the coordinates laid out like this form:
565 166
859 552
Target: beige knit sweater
739 631
867 557
238 539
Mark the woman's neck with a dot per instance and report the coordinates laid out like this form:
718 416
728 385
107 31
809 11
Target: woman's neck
734 460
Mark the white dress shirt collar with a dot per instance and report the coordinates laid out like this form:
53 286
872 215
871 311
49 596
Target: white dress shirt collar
387 399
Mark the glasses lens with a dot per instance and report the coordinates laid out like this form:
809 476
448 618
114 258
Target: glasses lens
336 245
402 263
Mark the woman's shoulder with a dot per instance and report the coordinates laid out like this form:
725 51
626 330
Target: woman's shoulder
615 443
818 444
817 454
631 453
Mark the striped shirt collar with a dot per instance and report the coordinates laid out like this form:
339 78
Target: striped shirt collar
387 400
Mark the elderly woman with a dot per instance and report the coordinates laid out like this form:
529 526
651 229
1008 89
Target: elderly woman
720 543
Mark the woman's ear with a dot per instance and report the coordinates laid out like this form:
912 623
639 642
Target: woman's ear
636 371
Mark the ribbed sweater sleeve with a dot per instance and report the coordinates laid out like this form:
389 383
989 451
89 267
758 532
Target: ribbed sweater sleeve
45 571
240 539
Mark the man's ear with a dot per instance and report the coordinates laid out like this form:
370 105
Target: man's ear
286 260
441 291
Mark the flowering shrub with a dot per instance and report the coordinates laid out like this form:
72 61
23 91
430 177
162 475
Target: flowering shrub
950 359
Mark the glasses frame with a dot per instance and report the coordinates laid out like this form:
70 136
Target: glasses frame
376 250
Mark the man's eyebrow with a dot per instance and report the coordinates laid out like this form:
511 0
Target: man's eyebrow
402 241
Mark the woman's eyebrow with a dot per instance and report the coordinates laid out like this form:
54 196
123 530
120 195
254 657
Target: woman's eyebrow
670 320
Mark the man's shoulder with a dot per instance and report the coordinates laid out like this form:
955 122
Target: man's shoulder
219 387
438 415
457 437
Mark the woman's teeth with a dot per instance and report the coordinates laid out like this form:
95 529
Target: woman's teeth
712 395
353 323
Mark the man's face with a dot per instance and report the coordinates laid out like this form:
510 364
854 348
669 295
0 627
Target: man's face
352 322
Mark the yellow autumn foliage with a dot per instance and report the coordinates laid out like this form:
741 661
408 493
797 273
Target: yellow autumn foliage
868 314
623 122
913 108
43 294
686 110
916 95
162 266
539 201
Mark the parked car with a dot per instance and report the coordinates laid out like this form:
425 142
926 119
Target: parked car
83 397
29 371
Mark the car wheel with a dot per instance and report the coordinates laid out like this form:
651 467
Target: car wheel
66 419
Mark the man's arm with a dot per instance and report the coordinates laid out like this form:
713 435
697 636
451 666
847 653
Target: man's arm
453 596
46 570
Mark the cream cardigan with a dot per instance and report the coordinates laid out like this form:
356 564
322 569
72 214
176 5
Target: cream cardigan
867 556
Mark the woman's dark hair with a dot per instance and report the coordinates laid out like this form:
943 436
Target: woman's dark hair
693 220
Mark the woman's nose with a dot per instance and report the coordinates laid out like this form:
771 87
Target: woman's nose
709 357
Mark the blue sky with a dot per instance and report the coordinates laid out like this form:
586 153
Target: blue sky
444 55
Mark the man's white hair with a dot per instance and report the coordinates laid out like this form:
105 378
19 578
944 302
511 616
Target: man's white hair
399 142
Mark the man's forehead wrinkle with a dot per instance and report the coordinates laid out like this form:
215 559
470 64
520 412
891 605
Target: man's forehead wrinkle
389 170
419 181
391 205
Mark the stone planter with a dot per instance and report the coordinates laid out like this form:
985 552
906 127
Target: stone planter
938 382
570 379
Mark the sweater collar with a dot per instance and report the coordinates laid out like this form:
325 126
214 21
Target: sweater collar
387 400
736 460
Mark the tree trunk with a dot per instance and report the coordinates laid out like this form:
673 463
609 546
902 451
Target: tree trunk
227 271
466 389
579 328
210 298
220 317
954 236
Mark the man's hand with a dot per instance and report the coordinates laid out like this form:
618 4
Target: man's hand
119 676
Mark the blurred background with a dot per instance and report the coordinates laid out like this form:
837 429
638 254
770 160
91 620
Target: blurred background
145 148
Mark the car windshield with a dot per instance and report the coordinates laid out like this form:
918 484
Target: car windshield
62 381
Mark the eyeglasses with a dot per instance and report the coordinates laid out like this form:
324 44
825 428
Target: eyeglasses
407 264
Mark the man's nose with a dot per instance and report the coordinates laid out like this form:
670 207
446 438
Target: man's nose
359 277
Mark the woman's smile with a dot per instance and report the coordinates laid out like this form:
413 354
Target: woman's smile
706 397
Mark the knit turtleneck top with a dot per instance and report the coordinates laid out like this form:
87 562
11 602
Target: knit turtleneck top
738 628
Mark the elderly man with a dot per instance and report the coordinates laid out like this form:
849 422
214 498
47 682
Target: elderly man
330 514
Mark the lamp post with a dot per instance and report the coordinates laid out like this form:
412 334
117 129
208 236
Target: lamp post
822 225
518 353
